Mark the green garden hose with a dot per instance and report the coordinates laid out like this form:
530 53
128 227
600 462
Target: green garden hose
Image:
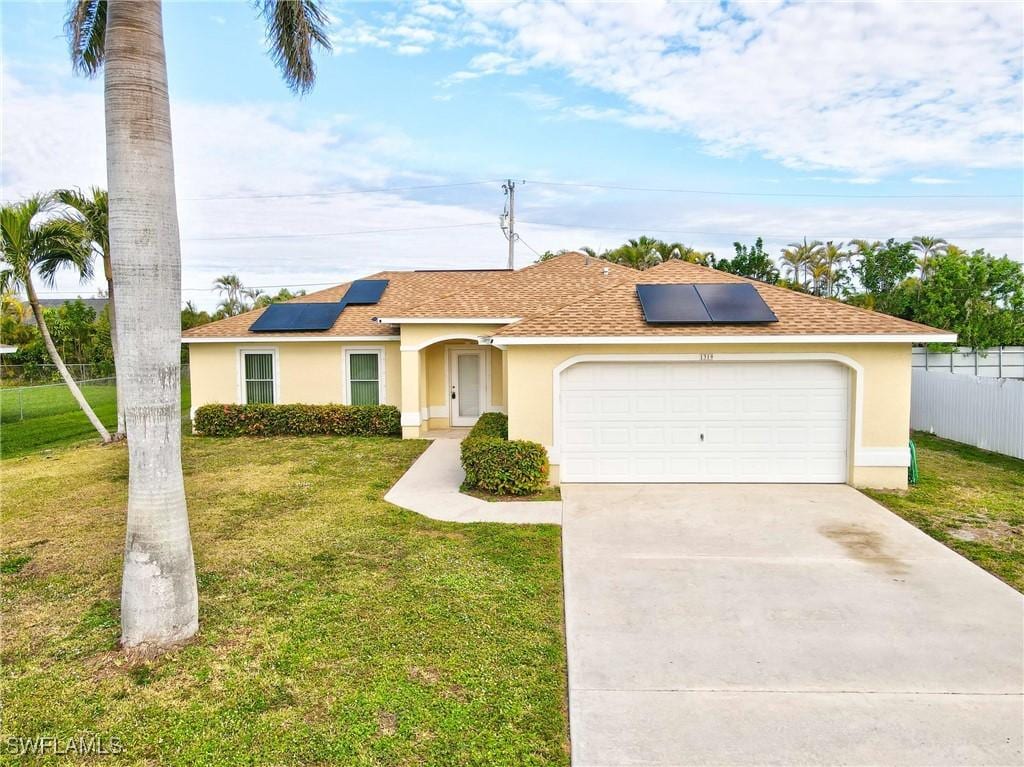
912 475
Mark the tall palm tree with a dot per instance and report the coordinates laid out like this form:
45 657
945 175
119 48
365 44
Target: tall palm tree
30 241
230 286
927 247
832 256
792 259
159 600
802 255
91 209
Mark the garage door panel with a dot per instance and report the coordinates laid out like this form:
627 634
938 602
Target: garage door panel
762 422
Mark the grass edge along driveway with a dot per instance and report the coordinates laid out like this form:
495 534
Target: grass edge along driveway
336 628
970 500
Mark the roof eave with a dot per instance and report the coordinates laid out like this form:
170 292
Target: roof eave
860 338
260 338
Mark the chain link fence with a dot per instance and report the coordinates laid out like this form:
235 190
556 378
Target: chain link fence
22 403
36 373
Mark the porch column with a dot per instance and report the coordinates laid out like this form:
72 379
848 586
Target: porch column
412 371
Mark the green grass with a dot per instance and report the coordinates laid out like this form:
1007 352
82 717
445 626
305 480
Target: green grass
335 628
970 500
53 419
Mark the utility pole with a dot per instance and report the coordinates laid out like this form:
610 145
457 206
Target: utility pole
510 220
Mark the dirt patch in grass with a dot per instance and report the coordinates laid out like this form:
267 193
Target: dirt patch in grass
970 500
550 493
335 628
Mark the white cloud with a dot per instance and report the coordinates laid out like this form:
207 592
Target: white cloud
932 180
860 88
55 138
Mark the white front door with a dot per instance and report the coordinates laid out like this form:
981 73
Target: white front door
466 385
704 422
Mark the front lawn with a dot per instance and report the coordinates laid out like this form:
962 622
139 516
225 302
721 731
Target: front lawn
336 628
970 500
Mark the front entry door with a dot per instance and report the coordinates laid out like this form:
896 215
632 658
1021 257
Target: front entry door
466 377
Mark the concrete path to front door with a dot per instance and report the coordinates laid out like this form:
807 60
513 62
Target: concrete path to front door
431 487
781 625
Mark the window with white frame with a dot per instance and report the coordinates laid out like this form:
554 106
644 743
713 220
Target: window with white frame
364 376
258 377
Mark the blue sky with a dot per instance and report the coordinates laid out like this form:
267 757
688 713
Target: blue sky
829 121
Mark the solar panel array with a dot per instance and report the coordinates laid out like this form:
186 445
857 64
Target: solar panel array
703 304
299 316
364 292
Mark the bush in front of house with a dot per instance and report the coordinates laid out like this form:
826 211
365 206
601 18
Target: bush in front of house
498 465
278 420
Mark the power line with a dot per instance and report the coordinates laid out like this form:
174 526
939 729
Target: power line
333 234
669 190
341 192
669 230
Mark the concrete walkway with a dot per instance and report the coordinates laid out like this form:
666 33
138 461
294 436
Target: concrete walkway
781 625
431 487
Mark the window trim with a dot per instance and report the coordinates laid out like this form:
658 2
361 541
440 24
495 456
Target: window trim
346 386
242 397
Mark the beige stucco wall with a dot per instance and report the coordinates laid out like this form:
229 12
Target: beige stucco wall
885 410
425 356
308 372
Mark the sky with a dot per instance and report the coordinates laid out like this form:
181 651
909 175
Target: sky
703 123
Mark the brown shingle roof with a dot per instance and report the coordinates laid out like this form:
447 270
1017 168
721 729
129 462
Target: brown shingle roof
616 312
403 288
570 295
535 289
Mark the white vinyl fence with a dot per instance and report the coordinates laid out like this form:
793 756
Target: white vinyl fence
984 412
997 362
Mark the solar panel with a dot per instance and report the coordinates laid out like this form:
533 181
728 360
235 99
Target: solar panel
365 292
672 304
297 316
735 302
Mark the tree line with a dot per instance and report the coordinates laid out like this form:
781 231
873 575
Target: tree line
925 279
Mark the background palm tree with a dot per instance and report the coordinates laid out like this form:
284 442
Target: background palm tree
29 241
93 211
159 600
926 247
799 257
832 256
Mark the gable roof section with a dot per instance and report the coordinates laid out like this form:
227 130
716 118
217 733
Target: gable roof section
616 312
535 289
357 321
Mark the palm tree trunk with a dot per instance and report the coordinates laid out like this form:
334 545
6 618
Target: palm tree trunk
44 331
112 315
159 599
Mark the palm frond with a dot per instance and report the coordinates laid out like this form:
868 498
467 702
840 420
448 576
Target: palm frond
294 28
63 243
86 30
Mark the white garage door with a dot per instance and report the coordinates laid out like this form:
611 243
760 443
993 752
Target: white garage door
704 422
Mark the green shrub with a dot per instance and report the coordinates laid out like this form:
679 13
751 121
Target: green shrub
490 425
276 420
498 465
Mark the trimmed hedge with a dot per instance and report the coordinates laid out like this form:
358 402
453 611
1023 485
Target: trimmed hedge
276 420
498 465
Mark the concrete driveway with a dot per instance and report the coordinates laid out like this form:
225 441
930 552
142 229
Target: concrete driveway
781 624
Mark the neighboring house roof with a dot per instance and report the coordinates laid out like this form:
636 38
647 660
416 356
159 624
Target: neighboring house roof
616 312
358 321
98 304
571 295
